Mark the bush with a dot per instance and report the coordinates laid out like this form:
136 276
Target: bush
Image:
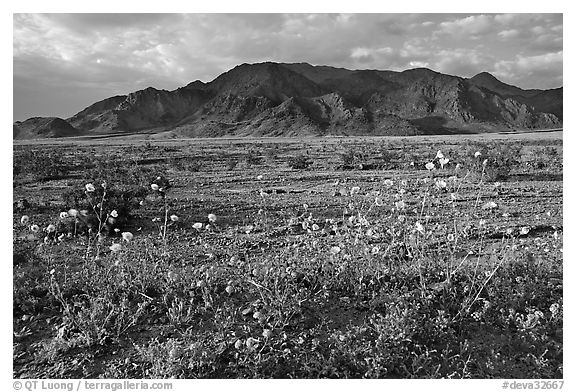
299 162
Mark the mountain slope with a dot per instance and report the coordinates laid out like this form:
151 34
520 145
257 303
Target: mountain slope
278 99
43 127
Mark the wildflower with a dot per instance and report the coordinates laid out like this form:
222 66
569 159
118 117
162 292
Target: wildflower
482 222
388 182
174 218
141 202
404 183
239 343
258 315
104 185
35 228
335 250
378 202
439 155
554 308
51 228
441 184
525 230
354 190
400 205
375 250
251 342
443 161
230 290
25 219
211 218
201 284
90 187
453 196
115 247
485 162
46 240
114 214
127 236
73 212
490 205
154 187
260 177
267 333
84 212
305 225
419 227
61 237
172 275
315 227
197 225
451 237
458 166
412 163
477 154
430 166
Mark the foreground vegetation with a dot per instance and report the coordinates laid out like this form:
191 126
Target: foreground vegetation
394 258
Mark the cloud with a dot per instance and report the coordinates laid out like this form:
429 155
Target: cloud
462 62
533 71
475 25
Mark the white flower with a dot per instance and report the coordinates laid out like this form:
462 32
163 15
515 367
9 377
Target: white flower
477 154
174 218
61 237
525 230
485 162
211 218
25 219
451 237
441 184
73 212
419 227
490 205
378 202
267 333
114 214
51 228
315 227
197 225
260 177
443 161
430 166
90 187
354 190
335 250
388 182
127 236
63 215
35 228
400 205
439 155
154 187
115 247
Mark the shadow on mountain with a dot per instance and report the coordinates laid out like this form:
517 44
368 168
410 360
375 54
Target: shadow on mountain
436 125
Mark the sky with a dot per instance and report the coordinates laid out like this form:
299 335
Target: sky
63 63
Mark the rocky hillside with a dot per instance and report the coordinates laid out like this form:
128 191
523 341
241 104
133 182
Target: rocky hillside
273 99
43 127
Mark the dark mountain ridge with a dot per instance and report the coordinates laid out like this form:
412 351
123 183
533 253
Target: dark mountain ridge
277 99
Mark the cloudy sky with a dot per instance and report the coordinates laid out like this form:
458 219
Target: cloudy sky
65 62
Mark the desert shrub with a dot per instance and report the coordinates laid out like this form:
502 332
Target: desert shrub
253 157
123 200
495 161
299 162
42 165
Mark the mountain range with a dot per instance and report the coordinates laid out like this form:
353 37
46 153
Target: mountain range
278 99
